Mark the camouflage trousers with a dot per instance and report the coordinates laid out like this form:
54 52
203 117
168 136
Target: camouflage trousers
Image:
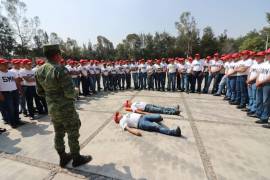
70 124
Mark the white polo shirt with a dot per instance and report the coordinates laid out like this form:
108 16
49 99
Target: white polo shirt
28 74
264 71
7 81
172 68
142 68
188 66
244 63
130 120
253 71
197 65
138 105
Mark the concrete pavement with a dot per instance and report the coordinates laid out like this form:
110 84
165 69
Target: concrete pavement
219 142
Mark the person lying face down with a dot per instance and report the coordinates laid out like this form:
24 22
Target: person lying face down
144 108
131 122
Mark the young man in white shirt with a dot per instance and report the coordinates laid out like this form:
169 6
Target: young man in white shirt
159 75
242 70
197 68
10 88
29 88
127 74
142 74
188 77
251 82
182 72
171 70
145 108
134 74
83 70
151 122
92 76
215 66
263 91
150 75
105 71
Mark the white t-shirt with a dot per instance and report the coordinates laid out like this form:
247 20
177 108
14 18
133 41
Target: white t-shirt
97 69
7 81
83 70
127 68
197 65
137 105
28 74
264 70
150 69
121 69
72 70
253 70
91 69
215 65
158 68
244 63
142 68
114 70
105 71
130 120
188 66
172 68
133 68
181 68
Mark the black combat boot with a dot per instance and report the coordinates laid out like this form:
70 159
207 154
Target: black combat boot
80 160
64 159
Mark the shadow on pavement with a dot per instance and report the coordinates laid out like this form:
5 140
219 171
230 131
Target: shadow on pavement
8 145
106 171
32 129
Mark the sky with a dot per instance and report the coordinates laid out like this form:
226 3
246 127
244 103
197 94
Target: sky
84 20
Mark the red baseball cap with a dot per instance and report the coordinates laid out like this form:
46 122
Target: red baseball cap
3 61
261 53
216 55
267 51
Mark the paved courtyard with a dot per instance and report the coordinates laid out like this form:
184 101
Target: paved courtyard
219 142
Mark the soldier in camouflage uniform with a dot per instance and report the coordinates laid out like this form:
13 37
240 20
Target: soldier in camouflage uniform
55 84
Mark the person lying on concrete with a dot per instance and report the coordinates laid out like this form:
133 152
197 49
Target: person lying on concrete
131 122
144 108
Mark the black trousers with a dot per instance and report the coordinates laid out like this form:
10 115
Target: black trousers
85 85
10 107
128 80
196 79
31 96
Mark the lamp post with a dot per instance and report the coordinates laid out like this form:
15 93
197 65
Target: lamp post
267 39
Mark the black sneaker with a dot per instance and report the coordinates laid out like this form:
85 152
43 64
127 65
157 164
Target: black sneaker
178 132
64 159
261 122
2 130
217 94
266 126
80 160
241 106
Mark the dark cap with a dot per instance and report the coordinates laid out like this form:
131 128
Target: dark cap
51 49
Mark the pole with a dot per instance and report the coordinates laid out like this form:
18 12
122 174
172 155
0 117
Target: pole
267 39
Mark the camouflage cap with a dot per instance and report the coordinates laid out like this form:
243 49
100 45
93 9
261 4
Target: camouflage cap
51 49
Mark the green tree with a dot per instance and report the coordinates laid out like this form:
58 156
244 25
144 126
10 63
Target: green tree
7 41
209 43
188 33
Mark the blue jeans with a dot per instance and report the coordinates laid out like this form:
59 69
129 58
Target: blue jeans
142 80
150 81
10 107
222 84
106 83
135 80
216 77
232 82
263 102
238 90
182 82
252 97
92 83
76 82
150 122
160 110
243 90
171 81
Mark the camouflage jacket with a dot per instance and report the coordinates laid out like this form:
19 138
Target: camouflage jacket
55 84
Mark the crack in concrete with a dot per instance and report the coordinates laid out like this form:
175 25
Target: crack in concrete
208 168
